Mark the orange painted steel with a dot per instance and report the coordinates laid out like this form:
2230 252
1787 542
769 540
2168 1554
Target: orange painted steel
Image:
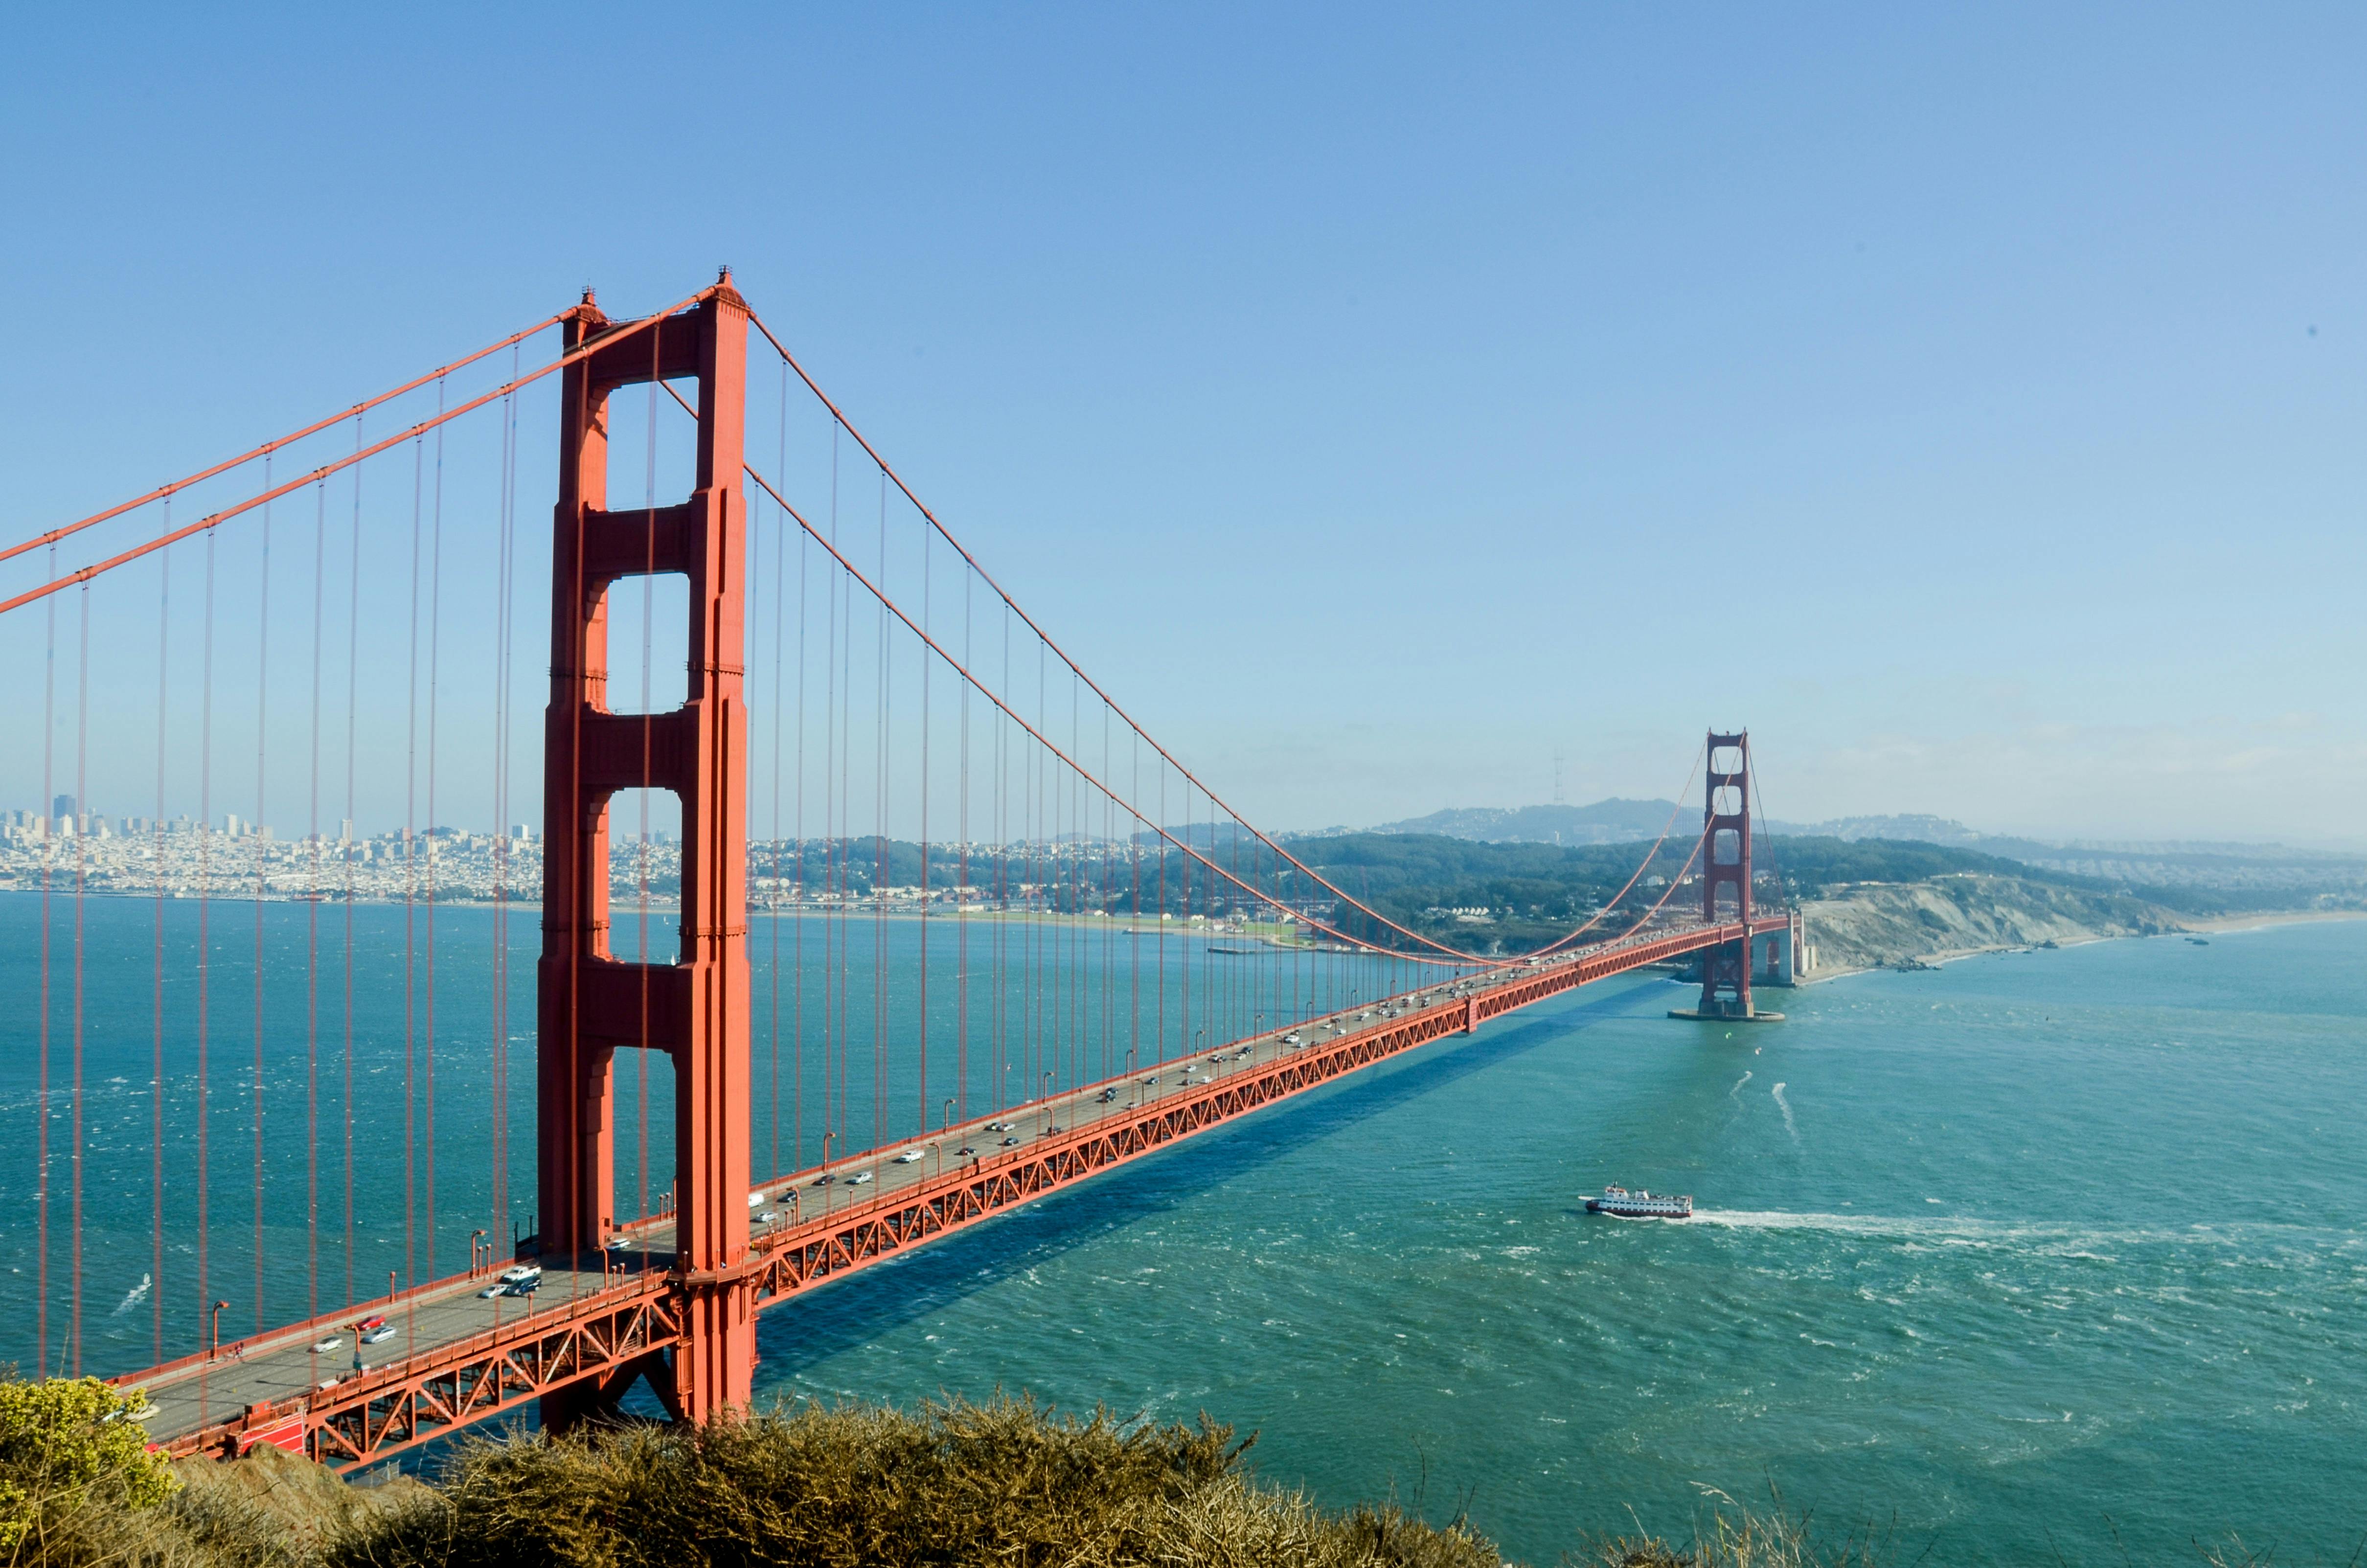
809 1254
586 1352
84 574
592 1004
249 455
1726 818
1452 955
603 1340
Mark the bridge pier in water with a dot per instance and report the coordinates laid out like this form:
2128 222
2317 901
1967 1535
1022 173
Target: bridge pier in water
1726 969
590 1004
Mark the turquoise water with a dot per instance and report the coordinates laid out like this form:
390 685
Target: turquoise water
2046 1252
373 1062
2032 1254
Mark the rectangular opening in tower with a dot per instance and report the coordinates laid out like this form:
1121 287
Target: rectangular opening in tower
645 875
644 1137
653 445
649 639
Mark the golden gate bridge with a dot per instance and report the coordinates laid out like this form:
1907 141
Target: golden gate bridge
992 940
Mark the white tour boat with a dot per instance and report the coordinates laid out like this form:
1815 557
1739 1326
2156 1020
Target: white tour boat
1641 1205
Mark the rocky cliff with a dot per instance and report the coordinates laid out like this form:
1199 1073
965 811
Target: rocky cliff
1870 925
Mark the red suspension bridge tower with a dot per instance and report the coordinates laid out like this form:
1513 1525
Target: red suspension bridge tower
1726 888
675 1305
591 1004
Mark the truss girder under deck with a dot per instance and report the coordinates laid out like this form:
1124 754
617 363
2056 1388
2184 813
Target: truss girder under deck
362 1421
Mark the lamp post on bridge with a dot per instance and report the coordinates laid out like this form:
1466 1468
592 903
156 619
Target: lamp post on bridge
213 1331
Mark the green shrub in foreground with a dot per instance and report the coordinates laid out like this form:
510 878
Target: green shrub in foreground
65 1448
1004 1482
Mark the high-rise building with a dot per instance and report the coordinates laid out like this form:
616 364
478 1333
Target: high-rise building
234 825
63 808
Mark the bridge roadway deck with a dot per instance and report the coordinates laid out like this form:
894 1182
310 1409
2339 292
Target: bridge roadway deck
459 1355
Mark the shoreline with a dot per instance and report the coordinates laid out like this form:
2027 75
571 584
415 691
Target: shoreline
2258 920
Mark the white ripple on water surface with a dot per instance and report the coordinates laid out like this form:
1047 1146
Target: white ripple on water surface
1785 1107
2065 1238
1737 1091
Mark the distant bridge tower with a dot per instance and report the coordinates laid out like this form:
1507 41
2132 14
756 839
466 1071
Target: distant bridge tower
590 1005
1726 878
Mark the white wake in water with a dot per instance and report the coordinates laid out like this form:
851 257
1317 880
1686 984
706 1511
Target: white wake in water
2068 1238
134 1296
1785 1107
1736 1092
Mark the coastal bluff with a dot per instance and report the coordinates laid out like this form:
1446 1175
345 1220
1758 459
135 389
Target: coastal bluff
1892 925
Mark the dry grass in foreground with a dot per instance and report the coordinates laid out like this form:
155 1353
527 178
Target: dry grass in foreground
1005 1483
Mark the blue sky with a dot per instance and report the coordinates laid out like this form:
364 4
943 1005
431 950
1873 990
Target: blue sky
1379 400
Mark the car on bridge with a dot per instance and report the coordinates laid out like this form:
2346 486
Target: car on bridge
910 1157
858 1178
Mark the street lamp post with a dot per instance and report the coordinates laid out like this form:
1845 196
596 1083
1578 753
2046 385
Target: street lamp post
213 1331
826 1193
1047 1098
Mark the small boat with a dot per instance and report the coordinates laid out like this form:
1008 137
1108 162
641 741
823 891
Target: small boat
1641 1205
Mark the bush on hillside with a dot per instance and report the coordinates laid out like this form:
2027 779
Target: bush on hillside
1005 1483
70 1457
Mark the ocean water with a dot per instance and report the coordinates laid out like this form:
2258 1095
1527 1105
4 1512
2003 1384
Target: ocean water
2056 1253
343 1118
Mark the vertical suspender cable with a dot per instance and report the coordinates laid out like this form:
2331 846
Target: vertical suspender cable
205 956
780 582
961 890
156 983
312 930
505 625
410 887
347 848
927 600
262 869
641 849
879 887
435 673
82 876
53 828
804 897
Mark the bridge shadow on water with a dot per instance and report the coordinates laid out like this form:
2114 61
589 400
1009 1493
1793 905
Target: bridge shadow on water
840 1316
